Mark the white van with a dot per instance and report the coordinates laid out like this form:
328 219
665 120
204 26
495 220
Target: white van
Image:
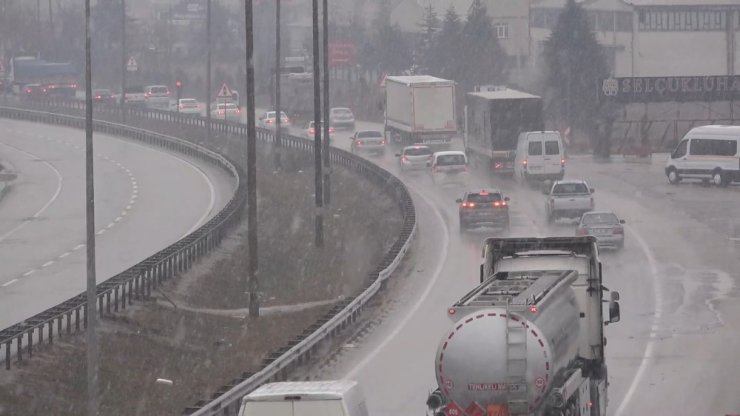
708 153
306 398
539 156
157 97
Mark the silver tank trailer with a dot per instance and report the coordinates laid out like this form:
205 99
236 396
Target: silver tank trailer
471 364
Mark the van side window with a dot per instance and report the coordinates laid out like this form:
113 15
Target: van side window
552 147
535 148
680 149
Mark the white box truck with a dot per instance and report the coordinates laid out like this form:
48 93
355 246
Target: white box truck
420 109
306 398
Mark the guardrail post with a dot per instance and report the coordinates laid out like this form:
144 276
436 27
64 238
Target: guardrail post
30 344
59 326
7 355
19 347
77 319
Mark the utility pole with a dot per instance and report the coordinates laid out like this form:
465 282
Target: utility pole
278 65
208 68
325 124
253 268
91 312
124 61
319 191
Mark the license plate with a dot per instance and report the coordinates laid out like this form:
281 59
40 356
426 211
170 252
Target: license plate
534 167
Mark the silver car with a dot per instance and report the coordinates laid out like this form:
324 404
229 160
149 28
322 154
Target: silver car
342 117
368 141
414 157
605 226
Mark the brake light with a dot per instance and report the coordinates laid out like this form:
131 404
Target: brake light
404 159
619 230
359 142
382 142
98 97
269 121
468 204
331 129
286 120
311 130
581 231
499 204
562 163
533 309
498 165
524 163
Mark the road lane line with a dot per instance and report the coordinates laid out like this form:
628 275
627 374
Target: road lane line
30 272
100 232
60 181
47 264
648 355
442 259
111 225
77 247
9 282
63 255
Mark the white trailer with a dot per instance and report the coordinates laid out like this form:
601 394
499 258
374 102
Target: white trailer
420 109
529 340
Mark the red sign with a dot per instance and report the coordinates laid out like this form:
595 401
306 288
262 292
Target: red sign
342 53
453 409
474 409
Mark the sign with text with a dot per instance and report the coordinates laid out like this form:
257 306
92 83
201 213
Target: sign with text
656 89
342 53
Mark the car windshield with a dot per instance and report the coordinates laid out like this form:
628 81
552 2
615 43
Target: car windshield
417 151
188 103
449 160
599 218
369 134
484 197
570 188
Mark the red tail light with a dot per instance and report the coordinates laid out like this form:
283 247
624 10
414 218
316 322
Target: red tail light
360 142
468 205
500 204
498 165
562 163
311 130
331 129
619 230
524 163
581 231
404 159
382 142
238 111
269 121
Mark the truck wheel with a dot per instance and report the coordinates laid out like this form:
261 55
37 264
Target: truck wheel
720 178
673 176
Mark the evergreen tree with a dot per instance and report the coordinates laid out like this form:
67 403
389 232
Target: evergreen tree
575 66
387 49
446 47
484 58
429 26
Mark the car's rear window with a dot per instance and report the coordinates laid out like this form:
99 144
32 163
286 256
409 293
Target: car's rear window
552 147
484 197
450 160
367 134
535 148
417 151
342 111
601 218
570 188
159 90
189 103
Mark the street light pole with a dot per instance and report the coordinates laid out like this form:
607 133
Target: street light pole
327 137
124 61
91 311
253 267
278 118
208 68
319 191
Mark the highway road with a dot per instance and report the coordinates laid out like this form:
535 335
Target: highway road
674 352
145 200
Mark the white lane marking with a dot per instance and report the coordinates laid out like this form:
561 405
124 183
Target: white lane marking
47 264
442 258
647 356
77 247
9 282
117 219
111 225
63 255
60 181
30 272
123 214
101 231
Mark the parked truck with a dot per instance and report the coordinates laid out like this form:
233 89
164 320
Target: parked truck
529 340
493 121
420 109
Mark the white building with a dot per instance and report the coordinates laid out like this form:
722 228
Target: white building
655 37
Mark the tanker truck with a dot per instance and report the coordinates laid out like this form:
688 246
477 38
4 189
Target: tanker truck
529 340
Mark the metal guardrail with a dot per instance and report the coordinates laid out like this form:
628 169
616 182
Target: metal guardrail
138 281
276 366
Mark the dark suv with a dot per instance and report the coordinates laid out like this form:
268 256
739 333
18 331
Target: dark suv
487 207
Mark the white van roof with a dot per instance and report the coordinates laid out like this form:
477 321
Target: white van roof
308 390
716 129
449 152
